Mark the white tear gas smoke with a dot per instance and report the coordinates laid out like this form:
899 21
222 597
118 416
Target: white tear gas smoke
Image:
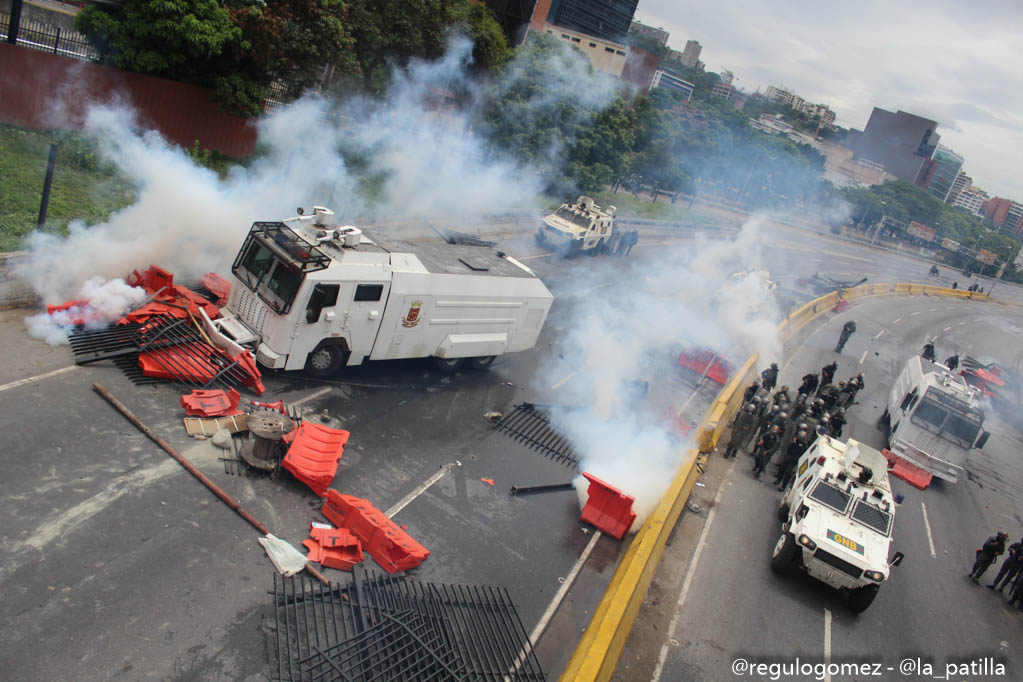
101 302
419 154
697 295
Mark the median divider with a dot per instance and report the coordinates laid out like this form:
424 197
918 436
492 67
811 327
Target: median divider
600 647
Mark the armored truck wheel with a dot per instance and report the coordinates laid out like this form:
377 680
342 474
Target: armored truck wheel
482 362
325 361
448 365
786 551
861 598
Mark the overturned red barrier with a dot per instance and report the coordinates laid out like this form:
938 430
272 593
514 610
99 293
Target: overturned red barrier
707 363
218 286
313 455
333 547
608 508
213 403
907 471
393 548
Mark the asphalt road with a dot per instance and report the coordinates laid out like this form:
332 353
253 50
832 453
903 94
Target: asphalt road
733 607
118 565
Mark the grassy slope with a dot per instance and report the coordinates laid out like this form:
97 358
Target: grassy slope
82 188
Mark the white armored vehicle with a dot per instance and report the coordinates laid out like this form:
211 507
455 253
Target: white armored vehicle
837 519
311 295
578 227
932 418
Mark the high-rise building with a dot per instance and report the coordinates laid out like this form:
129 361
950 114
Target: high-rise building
901 142
605 19
655 35
513 16
779 95
962 182
972 200
947 165
723 90
669 81
691 55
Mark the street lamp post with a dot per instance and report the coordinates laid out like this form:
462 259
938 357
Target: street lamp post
749 175
880 224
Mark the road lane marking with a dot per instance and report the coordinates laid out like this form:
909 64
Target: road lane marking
962 323
311 396
562 591
663 655
897 321
795 353
22 382
916 313
555 386
946 329
827 645
688 400
927 525
931 310
422 488
863 357
879 335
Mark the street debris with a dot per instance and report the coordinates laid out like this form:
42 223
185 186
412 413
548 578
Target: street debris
286 559
488 481
203 478
222 439
392 548
363 629
529 424
607 508
492 417
204 427
333 547
212 403
529 490
313 455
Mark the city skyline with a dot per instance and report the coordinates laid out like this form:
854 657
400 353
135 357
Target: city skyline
942 60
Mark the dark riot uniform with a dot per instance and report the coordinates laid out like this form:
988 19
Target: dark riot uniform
827 374
742 432
986 555
928 352
1010 567
1016 591
765 449
809 384
952 362
769 377
787 470
847 330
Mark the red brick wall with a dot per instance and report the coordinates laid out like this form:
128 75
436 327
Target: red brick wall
44 91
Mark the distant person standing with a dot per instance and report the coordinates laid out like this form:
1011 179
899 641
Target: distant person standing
632 239
827 375
1010 567
847 330
928 351
769 377
952 362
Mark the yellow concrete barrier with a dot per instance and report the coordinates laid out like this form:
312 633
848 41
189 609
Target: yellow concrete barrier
599 649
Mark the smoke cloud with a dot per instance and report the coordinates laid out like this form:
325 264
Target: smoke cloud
99 302
697 295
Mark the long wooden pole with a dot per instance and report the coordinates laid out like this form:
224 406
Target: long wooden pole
203 478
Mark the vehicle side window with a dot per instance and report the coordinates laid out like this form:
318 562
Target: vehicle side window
369 292
323 296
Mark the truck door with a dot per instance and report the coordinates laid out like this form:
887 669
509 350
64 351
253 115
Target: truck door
361 321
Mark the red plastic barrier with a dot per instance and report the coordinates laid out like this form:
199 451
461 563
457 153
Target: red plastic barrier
907 471
393 548
314 455
333 547
213 403
608 508
703 360
218 286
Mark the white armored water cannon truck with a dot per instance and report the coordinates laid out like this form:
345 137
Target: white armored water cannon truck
576 228
837 519
309 294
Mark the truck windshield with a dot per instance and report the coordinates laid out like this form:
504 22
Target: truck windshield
960 427
265 273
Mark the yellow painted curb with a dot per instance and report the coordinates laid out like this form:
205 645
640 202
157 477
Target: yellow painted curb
600 647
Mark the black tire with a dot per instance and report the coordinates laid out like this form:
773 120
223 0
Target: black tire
324 361
862 598
482 362
783 512
448 365
785 554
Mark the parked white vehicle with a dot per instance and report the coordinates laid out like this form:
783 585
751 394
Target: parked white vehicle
311 295
932 418
837 519
578 227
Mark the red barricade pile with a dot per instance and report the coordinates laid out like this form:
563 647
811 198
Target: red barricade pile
213 403
393 548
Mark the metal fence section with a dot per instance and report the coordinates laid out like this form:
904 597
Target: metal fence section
391 628
529 425
46 38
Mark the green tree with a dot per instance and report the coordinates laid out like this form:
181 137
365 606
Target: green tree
395 31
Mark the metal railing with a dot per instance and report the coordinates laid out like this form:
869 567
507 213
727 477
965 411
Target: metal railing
47 38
